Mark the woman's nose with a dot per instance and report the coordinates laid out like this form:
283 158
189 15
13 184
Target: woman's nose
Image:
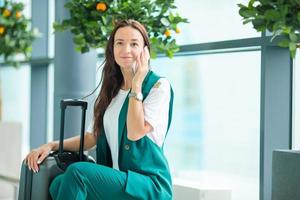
127 48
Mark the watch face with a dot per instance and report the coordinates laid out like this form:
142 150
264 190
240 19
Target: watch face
139 96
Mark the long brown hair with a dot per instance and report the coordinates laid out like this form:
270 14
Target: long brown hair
112 77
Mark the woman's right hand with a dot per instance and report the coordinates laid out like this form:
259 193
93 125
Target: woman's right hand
36 156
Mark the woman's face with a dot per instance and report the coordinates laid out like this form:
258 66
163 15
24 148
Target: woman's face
128 44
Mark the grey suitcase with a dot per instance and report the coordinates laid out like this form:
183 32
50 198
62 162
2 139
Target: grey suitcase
35 186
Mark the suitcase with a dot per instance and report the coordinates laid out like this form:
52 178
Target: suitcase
35 186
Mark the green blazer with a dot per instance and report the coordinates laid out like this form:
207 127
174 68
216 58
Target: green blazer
144 161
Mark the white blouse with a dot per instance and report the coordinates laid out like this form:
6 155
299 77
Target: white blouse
156 111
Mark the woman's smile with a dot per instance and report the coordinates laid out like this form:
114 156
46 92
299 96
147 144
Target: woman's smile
127 57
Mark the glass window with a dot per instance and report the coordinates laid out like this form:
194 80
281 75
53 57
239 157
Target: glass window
296 104
27 7
213 20
15 89
216 116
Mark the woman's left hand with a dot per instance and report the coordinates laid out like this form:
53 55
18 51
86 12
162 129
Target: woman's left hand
142 68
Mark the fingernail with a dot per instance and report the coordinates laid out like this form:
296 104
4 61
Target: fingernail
29 168
38 162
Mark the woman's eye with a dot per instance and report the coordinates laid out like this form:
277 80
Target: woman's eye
134 44
118 43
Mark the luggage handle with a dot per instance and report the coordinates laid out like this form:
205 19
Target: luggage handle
63 105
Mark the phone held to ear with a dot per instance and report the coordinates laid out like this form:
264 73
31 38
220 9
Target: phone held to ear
134 67
146 52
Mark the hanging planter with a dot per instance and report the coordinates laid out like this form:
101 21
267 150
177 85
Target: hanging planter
16 37
91 22
277 16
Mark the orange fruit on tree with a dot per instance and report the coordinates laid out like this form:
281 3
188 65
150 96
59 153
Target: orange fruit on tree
2 29
18 14
177 30
101 7
6 13
167 33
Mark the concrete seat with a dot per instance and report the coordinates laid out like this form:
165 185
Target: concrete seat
10 159
184 189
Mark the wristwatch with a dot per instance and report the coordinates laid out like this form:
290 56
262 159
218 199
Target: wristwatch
138 96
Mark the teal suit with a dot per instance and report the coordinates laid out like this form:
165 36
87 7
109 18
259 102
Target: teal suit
144 171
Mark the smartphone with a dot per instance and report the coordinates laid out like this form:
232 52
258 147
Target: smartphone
134 67
146 50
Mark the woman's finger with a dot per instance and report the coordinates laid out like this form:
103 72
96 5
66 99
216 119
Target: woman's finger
146 56
138 62
30 163
42 158
143 58
35 159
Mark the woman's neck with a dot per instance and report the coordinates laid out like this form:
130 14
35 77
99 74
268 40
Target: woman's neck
127 79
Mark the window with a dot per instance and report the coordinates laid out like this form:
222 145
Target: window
15 86
216 117
296 105
213 20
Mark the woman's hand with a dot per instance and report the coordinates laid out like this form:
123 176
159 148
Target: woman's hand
142 67
36 156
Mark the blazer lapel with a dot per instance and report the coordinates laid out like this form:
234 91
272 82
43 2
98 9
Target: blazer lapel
124 110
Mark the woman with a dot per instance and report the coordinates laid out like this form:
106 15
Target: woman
132 115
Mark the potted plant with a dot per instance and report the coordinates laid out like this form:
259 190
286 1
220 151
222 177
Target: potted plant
281 17
16 36
92 21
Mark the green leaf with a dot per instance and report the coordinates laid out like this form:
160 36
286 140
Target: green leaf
78 48
153 54
79 40
286 29
247 21
251 2
170 54
103 30
293 37
284 43
298 16
259 24
57 26
247 13
275 34
75 31
85 49
91 24
241 5
272 15
69 5
293 47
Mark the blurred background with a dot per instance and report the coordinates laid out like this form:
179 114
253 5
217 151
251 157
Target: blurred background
218 138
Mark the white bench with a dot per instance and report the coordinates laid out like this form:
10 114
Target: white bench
184 189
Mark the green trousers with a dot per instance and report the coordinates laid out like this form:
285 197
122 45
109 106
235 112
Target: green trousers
89 181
